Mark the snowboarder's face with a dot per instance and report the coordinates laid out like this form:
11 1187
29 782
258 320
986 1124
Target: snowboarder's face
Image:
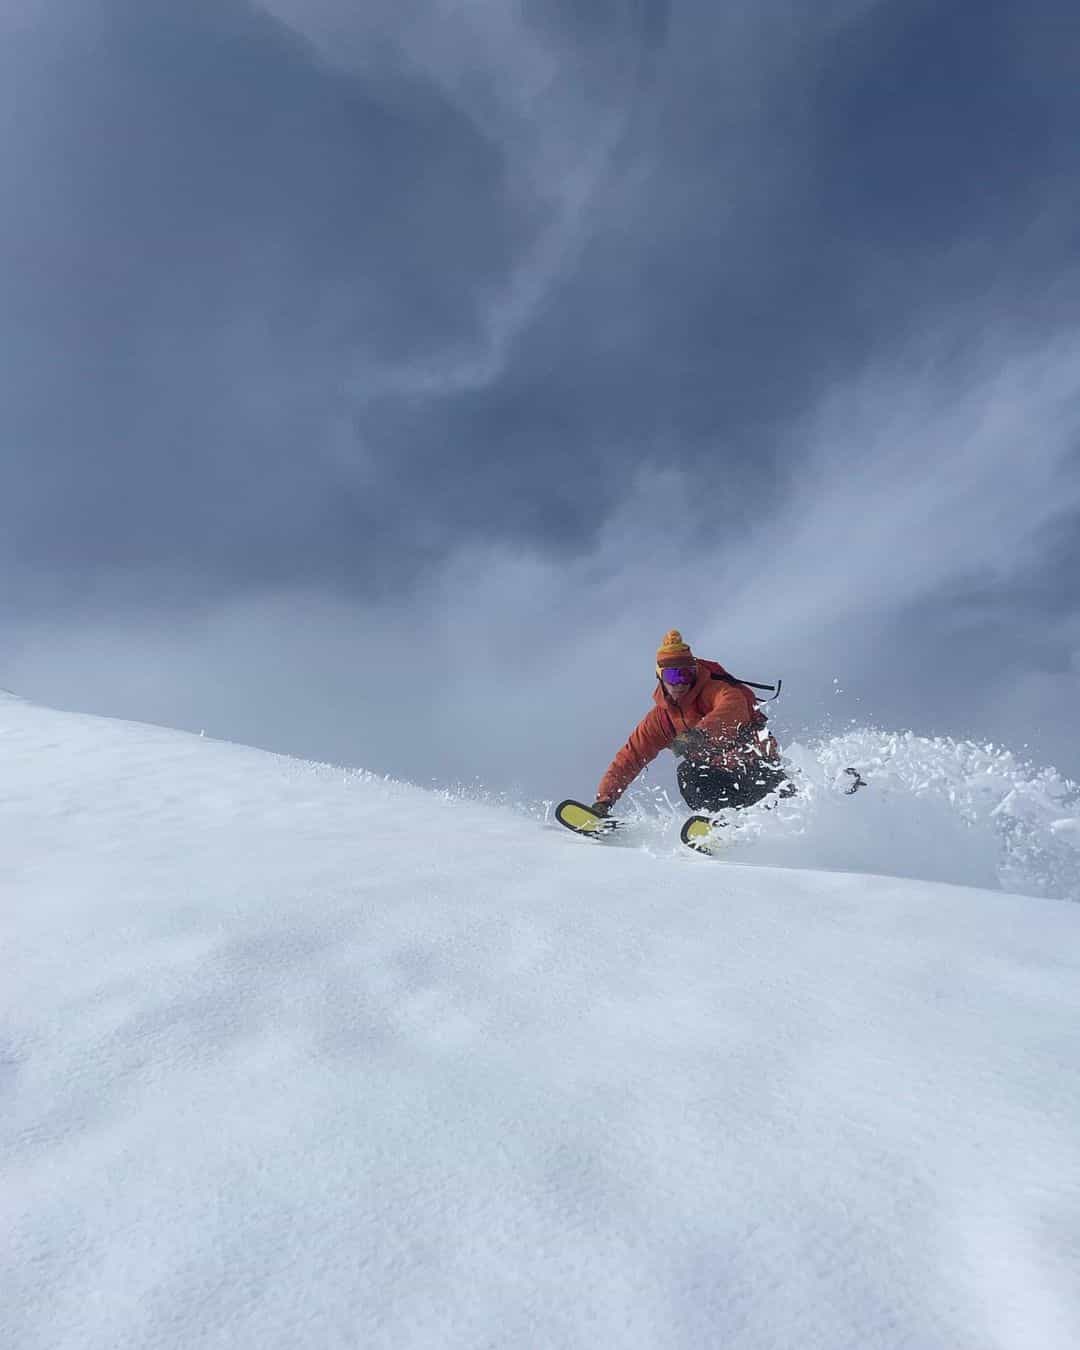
678 680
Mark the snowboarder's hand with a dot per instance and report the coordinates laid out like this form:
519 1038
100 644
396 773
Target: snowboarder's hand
601 808
689 742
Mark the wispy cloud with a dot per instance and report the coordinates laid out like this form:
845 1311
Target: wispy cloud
511 667
555 112
914 481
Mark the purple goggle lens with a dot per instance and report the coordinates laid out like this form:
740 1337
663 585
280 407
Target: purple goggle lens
678 675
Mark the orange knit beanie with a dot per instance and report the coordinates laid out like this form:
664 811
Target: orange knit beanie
673 651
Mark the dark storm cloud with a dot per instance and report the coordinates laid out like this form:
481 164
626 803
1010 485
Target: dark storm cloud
204 231
271 315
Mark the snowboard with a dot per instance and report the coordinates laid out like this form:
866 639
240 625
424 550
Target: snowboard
583 819
702 834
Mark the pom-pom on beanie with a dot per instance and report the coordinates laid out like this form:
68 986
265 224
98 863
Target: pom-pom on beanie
673 651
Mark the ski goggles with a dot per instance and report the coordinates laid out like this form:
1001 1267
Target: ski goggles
679 675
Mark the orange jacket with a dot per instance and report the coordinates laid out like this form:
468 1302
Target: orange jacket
726 711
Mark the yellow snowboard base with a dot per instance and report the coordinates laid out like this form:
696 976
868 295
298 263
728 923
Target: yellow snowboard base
701 834
582 819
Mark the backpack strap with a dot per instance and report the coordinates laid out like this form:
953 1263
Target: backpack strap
730 679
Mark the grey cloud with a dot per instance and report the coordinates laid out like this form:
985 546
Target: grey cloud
906 570
300 308
211 232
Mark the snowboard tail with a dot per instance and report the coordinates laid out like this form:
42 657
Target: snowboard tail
701 833
583 819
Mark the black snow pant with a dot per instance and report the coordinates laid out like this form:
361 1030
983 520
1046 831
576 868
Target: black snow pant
705 788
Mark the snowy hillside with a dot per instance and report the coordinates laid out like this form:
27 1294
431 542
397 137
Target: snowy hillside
294 1057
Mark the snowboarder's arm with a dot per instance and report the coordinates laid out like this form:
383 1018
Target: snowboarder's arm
732 710
735 718
651 735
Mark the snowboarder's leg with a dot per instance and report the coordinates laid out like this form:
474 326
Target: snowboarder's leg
761 782
708 789
704 788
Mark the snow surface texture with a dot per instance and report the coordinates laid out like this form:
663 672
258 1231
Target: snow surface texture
297 1057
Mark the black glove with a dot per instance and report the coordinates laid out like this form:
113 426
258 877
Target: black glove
689 742
601 808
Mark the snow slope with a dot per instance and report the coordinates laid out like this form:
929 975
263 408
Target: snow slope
295 1057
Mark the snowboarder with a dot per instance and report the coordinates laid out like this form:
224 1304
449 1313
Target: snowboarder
713 724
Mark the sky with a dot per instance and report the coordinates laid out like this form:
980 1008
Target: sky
379 383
